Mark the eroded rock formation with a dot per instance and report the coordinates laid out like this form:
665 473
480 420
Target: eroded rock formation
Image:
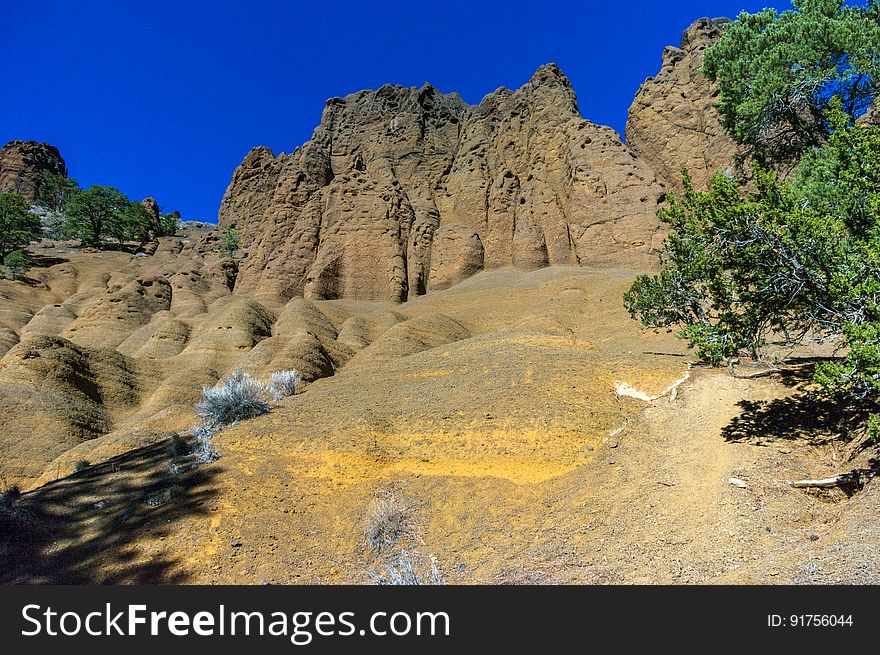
22 164
152 206
402 190
673 123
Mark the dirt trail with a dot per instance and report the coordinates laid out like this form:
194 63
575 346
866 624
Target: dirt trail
662 509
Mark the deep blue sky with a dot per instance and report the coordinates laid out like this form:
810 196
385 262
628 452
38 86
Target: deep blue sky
165 98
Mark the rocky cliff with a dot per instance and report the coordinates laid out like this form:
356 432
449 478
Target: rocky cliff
22 164
673 123
404 190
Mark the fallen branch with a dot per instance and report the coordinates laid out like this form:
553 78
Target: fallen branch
826 482
753 376
758 369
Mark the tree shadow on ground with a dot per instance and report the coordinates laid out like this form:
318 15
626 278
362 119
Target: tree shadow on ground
90 527
37 261
128 247
44 261
803 415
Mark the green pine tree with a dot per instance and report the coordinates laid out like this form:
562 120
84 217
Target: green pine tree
18 226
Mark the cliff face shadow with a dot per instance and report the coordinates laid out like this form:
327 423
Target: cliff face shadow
86 528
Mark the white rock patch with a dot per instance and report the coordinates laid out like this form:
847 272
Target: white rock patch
626 389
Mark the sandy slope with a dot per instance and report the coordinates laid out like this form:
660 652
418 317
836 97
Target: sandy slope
492 409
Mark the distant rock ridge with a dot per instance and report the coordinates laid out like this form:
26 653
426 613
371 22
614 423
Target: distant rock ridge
404 190
673 122
22 164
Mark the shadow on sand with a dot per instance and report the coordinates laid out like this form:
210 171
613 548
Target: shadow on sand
44 261
809 418
803 415
86 528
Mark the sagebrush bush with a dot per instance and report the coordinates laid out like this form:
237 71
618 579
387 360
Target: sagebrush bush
389 518
283 384
238 398
203 451
402 571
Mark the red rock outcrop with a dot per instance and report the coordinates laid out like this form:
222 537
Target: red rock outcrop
22 164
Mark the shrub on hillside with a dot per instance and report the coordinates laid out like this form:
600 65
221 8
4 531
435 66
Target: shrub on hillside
237 398
283 384
14 265
389 519
402 571
229 242
203 451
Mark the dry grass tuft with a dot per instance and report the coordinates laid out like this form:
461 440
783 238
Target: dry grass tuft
401 570
389 519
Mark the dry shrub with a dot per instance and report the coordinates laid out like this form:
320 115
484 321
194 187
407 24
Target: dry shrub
283 384
402 570
389 519
237 398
